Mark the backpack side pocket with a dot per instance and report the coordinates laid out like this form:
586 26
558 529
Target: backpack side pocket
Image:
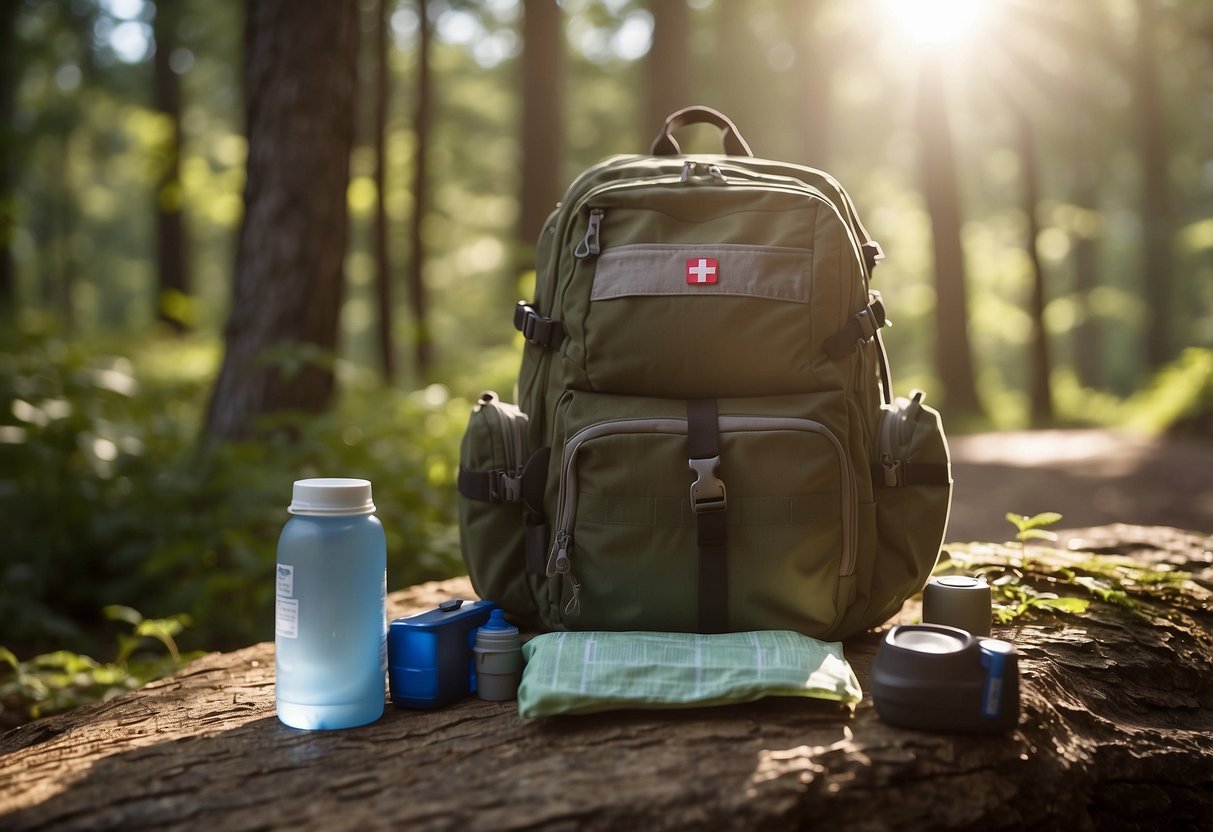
497 512
912 480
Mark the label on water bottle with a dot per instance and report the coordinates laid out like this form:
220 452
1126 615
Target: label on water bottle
286 606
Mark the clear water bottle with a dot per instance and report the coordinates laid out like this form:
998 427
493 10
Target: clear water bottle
330 623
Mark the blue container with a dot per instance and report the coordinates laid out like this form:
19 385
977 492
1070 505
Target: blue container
431 654
330 625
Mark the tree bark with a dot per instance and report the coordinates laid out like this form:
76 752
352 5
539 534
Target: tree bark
1088 335
814 77
1040 364
300 84
423 351
668 64
9 9
543 79
173 284
1157 279
1116 731
937 156
383 265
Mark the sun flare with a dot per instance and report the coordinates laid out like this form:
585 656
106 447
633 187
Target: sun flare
938 21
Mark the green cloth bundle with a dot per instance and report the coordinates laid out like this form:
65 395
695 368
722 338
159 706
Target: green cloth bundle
586 672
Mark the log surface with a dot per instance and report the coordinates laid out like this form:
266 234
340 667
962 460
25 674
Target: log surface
1116 731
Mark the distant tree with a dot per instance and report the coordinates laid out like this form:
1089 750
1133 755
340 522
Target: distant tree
940 188
423 347
1154 156
383 266
543 80
8 92
668 65
173 283
814 77
1041 365
300 81
1041 104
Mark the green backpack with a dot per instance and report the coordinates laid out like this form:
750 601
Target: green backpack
705 439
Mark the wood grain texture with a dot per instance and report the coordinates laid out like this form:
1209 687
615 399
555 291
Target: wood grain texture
1116 731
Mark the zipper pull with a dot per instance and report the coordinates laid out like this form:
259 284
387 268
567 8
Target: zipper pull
573 607
589 245
892 470
558 562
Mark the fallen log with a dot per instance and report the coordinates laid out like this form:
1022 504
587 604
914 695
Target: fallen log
1116 731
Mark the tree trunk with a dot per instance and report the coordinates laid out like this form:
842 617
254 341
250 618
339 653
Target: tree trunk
937 156
543 80
1084 248
668 64
173 284
814 73
300 84
383 265
1040 363
8 209
1115 731
1157 279
423 352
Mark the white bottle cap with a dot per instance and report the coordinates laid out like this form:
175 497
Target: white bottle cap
328 496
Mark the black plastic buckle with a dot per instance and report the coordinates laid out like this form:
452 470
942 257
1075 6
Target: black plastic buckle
536 329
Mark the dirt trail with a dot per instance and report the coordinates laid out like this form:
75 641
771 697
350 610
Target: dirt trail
1092 477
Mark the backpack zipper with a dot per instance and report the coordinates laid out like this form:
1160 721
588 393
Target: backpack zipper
512 423
560 561
894 418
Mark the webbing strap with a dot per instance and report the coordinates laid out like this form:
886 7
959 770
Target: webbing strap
709 501
894 473
525 487
859 328
489 486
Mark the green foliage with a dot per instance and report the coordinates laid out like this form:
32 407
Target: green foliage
1012 598
1029 528
61 680
1180 392
106 497
1067 583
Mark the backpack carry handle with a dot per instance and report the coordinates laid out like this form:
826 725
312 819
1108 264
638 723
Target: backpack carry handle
730 137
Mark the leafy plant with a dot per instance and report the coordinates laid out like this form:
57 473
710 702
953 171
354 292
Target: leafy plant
107 498
1014 597
60 680
1032 528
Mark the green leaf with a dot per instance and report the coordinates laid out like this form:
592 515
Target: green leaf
117 612
1076 606
1019 521
1037 534
8 656
1047 518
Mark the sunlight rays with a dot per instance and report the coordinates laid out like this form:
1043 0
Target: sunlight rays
935 22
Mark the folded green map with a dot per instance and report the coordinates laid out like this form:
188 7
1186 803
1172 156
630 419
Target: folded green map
586 672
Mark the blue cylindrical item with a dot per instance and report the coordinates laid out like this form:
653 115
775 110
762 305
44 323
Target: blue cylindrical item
330 628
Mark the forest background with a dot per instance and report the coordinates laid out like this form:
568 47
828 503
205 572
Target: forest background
346 197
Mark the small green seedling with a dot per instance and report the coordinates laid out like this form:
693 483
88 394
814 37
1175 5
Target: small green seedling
1032 528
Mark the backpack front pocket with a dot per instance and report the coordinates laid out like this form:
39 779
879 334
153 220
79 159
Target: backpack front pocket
500 506
913 487
626 556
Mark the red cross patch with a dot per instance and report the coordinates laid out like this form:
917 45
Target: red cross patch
702 270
